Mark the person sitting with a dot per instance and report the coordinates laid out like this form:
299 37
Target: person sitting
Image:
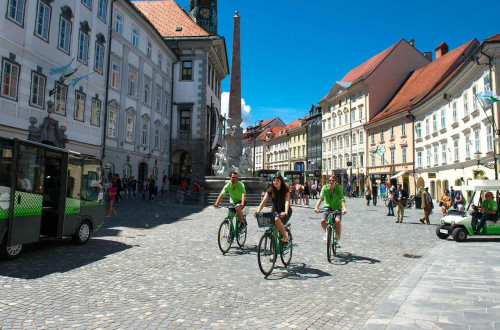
488 211
445 202
459 201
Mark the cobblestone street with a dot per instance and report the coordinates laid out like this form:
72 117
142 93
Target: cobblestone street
159 266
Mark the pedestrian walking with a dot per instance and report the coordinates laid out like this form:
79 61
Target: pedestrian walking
306 193
314 190
131 186
390 200
125 186
401 196
375 193
145 188
427 206
119 188
368 195
111 194
181 194
153 189
164 189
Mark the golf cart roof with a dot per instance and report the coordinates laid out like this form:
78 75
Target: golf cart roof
482 185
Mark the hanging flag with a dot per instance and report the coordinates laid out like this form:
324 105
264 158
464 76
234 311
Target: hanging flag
380 150
76 80
61 69
69 74
487 98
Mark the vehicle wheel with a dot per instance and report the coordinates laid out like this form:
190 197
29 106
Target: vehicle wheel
10 252
266 254
242 236
459 234
286 254
225 236
82 233
440 234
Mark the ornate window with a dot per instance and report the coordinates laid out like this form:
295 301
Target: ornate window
112 119
95 113
99 53
37 92
61 97
79 106
42 25
15 11
102 9
10 79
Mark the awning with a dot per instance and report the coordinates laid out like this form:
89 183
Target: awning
398 175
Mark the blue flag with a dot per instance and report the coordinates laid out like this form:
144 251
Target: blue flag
76 80
60 69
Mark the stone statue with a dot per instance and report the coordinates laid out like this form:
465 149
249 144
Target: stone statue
246 162
220 161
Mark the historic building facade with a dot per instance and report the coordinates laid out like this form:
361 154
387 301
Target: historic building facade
196 122
139 97
313 144
298 146
451 127
53 71
356 99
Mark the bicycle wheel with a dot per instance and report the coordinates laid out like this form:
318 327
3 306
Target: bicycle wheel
266 254
329 240
225 236
286 253
334 240
242 236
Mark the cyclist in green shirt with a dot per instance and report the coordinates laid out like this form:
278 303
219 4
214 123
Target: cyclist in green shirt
237 196
489 209
333 195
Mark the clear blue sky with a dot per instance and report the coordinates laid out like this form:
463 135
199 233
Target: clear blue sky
293 51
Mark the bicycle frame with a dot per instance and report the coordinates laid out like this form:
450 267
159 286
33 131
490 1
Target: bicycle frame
276 238
231 216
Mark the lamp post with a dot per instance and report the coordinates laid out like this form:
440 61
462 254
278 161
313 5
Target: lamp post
254 141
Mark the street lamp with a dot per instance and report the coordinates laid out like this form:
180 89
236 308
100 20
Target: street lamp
254 140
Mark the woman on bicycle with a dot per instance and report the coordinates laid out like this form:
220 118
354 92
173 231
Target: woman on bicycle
282 211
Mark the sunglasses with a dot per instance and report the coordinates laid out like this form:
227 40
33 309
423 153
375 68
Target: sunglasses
331 180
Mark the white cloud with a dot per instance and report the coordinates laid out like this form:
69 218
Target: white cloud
245 109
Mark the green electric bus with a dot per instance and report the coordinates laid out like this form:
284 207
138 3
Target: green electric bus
56 193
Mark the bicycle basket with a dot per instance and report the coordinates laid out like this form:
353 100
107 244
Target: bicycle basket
265 219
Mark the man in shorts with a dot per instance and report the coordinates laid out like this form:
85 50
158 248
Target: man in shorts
333 196
237 196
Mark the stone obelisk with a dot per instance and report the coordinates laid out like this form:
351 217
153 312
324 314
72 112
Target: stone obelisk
234 136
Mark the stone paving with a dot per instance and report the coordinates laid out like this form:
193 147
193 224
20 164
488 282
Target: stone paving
159 266
454 287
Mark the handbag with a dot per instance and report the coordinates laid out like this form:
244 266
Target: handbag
440 203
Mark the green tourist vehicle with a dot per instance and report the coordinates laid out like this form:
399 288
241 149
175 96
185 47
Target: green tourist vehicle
458 224
46 193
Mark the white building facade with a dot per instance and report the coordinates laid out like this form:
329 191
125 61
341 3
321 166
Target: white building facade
139 97
452 129
276 149
37 36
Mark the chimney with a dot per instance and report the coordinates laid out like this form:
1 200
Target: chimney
441 50
412 42
428 55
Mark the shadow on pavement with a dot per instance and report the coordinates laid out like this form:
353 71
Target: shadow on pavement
143 214
344 258
297 272
49 257
246 249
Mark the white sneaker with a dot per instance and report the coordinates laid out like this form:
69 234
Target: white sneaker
338 245
324 239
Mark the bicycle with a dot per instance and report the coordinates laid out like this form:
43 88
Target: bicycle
331 234
410 202
269 248
228 231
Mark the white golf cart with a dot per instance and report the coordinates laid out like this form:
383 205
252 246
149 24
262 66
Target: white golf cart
458 223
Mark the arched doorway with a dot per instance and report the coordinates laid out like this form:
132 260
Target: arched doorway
143 173
446 185
420 183
433 189
181 161
438 189
107 171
